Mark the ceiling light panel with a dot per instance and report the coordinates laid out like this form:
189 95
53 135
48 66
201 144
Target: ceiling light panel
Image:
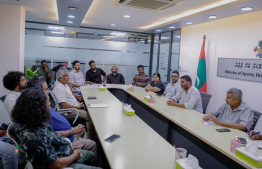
78 9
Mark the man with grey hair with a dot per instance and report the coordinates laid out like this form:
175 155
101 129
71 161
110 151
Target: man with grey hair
235 113
66 98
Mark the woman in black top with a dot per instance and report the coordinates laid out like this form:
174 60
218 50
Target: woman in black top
156 85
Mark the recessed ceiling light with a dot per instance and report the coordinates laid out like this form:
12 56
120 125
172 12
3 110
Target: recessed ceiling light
113 24
177 36
107 36
56 27
57 32
158 30
172 27
71 16
212 16
72 8
189 23
188 13
127 16
70 22
247 8
118 34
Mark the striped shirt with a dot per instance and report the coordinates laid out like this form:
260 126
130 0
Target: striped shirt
141 81
172 89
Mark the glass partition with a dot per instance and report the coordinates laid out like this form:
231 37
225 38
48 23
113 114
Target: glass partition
59 44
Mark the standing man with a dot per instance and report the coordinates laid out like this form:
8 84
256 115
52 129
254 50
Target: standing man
76 76
15 82
173 88
45 72
189 97
93 75
141 79
115 77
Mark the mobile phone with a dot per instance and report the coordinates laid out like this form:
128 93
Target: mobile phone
241 140
112 138
223 130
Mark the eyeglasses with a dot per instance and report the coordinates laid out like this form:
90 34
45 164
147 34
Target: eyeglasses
174 76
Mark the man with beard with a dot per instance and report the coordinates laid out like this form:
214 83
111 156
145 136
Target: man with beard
93 75
45 72
235 113
76 76
141 79
15 82
189 97
173 88
115 77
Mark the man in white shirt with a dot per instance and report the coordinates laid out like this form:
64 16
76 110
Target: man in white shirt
76 76
66 99
15 82
189 97
173 88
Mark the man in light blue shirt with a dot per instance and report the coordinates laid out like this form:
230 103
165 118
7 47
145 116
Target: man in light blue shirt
189 97
76 76
235 113
172 88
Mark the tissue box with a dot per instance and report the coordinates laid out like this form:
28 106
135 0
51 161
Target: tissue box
248 157
102 88
147 98
181 164
129 89
129 112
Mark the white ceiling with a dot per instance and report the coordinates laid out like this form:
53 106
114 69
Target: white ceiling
102 14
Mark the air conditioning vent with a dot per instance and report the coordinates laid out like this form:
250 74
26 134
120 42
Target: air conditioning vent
155 5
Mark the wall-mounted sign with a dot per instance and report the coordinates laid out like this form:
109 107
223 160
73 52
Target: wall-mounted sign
242 69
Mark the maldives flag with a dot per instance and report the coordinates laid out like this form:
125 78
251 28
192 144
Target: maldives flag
201 79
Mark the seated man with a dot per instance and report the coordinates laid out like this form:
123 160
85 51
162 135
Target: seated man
66 99
15 82
43 147
60 125
173 88
9 157
189 97
76 76
7 154
93 75
141 79
115 77
235 113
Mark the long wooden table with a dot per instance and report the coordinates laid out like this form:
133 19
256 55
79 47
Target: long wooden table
176 126
139 146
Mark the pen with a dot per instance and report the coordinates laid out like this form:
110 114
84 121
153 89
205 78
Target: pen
255 133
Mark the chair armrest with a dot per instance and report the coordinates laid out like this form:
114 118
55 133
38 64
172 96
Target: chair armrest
65 111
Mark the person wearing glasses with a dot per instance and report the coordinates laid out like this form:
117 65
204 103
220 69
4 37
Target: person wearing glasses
173 88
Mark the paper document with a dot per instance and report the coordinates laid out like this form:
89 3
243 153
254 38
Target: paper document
210 123
97 105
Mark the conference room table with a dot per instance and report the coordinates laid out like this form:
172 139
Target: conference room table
147 139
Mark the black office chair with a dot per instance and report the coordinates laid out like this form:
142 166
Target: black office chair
256 118
11 134
205 100
3 98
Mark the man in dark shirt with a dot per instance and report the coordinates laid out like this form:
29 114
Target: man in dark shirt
93 75
45 72
115 77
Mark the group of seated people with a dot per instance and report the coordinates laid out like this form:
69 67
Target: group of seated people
50 140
